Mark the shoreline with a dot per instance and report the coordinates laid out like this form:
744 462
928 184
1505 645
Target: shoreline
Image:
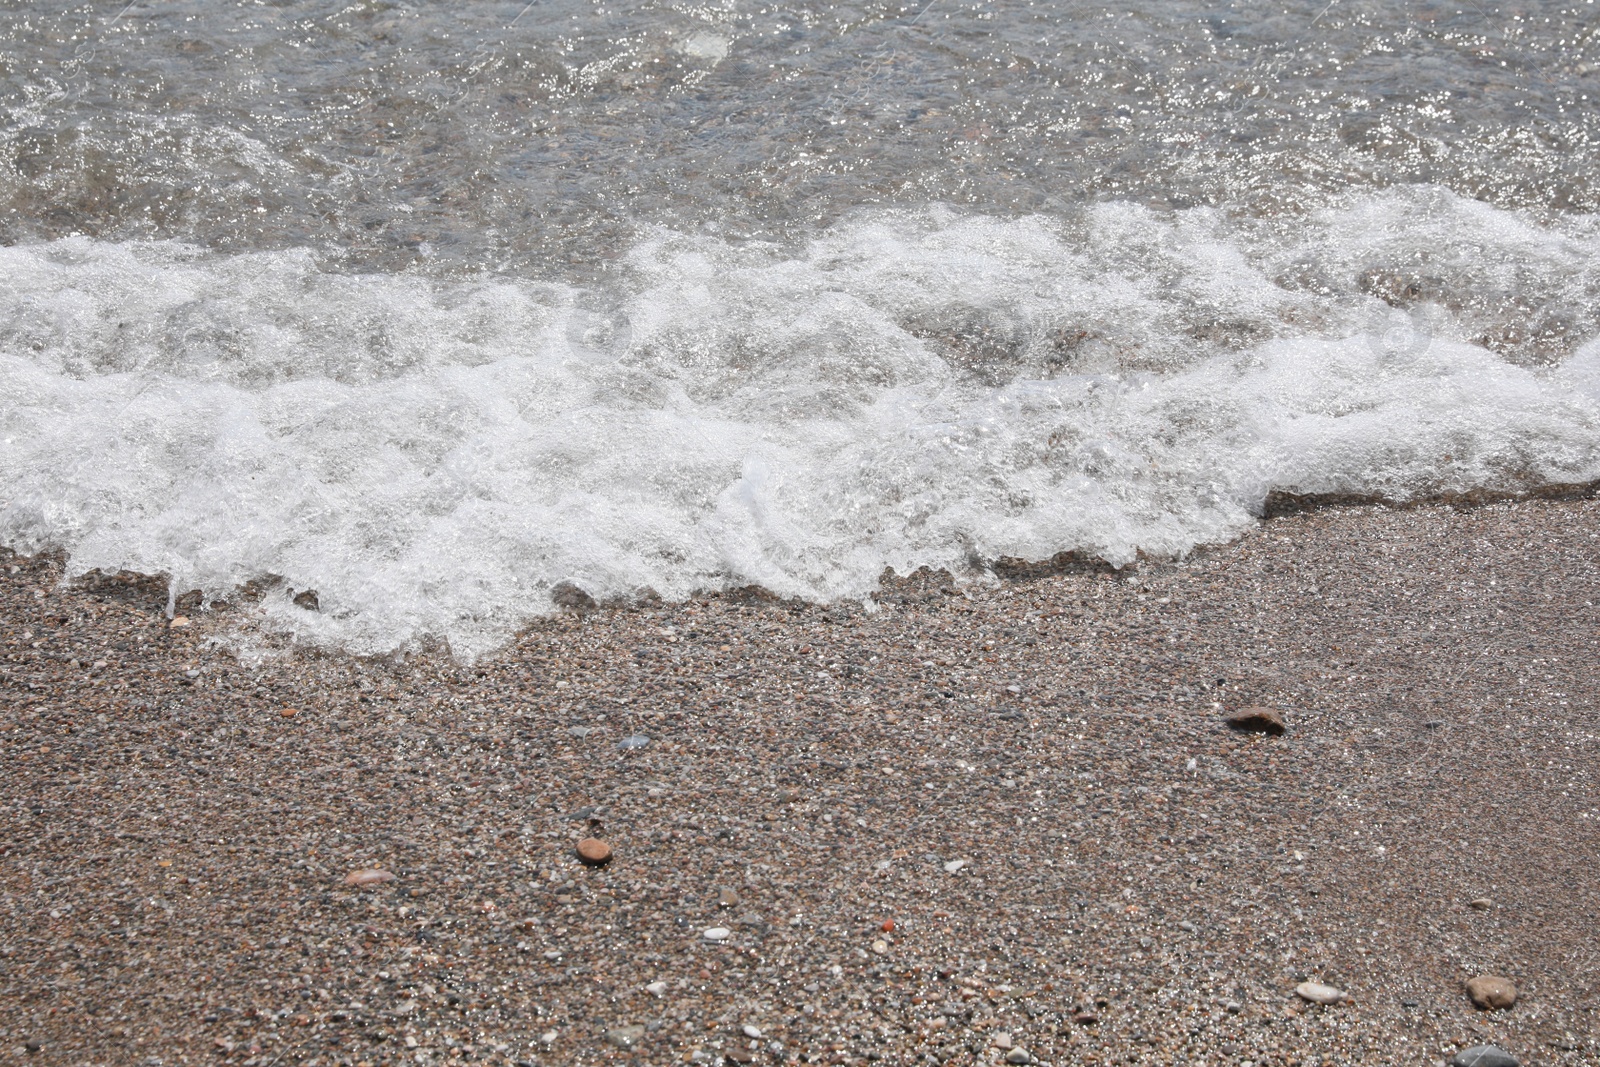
177 843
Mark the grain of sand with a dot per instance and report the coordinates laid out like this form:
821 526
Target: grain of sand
1139 884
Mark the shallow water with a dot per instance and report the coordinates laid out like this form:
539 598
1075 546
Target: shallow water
431 309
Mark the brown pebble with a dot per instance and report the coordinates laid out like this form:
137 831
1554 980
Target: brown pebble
1481 904
727 898
1086 1018
1257 720
368 876
594 852
1489 991
178 621
288 713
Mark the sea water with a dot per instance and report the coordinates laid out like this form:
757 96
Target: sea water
438 309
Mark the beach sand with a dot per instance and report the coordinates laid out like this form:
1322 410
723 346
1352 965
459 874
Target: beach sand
1137 883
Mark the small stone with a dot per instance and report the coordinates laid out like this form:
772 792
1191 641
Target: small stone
288 713
1018 1055
1233 1007
1490 991
594 852
1317 993
1481 904
727 898
548 1037
1085 1018
636 741
1189 926
1256 720
178 622
751 1031
368 876
880 946
954 865
624 1037
1001 1040
1483 1056
717 933
656 989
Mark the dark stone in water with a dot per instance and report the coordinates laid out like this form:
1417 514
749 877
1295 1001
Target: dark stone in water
569 596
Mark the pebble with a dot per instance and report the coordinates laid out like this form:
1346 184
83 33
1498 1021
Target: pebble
624 1037
1484 1056
717 933
656 989
1018 1055
548 1037
1001 1040
368 876
1257 720
727 898
1481 904
1489 991
594 852
1317 993
954 865
178 622
751 1031
288 713
636 741
880 946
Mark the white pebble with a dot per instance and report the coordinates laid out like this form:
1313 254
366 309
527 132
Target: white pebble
1318 993
718 933
954 865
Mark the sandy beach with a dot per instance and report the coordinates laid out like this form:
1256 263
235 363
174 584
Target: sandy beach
993 820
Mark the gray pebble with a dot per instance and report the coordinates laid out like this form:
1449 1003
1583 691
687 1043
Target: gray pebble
636 741
624 1037
1483 1056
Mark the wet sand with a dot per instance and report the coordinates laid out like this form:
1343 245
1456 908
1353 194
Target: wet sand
1138 884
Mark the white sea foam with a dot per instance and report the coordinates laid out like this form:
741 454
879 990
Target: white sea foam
433 455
